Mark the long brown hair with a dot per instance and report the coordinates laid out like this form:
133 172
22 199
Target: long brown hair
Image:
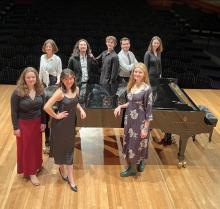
22 87
66 73
132 81
76 52
159 49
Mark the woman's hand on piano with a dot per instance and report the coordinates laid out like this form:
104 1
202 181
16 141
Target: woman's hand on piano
117 111
82 114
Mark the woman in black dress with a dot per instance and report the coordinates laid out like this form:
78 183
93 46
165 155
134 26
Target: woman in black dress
63 124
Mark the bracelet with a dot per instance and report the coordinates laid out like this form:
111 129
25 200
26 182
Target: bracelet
145 129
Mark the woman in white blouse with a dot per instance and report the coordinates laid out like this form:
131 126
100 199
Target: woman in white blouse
50 64
49 74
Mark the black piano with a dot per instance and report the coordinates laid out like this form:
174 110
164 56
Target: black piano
173 110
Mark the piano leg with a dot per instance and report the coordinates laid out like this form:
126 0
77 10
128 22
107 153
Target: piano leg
182 147
194 137
210 135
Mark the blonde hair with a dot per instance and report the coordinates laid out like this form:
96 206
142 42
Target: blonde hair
22 87
160 48
132 81
52 43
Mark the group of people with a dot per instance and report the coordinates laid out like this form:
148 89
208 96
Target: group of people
31 113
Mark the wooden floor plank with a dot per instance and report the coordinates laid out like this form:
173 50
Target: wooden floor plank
98 162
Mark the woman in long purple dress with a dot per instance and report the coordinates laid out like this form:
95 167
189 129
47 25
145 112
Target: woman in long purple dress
137 119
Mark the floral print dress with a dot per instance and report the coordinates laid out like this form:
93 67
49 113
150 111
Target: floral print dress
138 111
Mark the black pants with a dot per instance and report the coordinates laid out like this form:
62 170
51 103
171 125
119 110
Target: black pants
53 80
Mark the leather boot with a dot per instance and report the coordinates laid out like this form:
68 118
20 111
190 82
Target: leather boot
131 171
141 166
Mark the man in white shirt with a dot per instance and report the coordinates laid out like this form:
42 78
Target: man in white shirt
126 60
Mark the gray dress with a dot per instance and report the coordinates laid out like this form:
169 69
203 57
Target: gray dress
139 109
63 132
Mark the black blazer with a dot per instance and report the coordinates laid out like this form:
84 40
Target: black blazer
92 67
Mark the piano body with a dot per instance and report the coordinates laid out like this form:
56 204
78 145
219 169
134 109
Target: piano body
173 111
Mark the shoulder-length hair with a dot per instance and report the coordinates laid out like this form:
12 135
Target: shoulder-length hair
53 44
64 74
76 51
111 38
159 49
132 81
22 87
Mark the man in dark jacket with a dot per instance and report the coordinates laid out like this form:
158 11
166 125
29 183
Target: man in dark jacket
109 62
83 64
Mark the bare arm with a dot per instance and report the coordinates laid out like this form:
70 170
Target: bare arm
57 96
77 91
81 110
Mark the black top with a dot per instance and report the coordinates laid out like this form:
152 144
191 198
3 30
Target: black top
109 67
26 108
153 64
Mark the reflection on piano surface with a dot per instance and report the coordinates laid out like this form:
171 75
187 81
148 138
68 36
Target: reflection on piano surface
173 111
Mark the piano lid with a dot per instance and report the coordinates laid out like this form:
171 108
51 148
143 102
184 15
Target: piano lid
168 95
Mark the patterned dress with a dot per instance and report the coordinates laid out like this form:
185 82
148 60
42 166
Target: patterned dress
139 109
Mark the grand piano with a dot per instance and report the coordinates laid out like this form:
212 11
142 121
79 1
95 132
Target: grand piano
173 110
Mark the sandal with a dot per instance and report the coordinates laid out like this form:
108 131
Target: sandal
34 180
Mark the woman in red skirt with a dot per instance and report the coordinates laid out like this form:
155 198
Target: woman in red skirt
28 121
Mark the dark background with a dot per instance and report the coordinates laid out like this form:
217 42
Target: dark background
190 31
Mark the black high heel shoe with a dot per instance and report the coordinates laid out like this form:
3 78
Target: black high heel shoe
73 188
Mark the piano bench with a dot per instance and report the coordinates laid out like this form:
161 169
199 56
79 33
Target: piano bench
209 119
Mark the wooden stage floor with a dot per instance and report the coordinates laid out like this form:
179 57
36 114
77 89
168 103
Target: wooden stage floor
97 163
